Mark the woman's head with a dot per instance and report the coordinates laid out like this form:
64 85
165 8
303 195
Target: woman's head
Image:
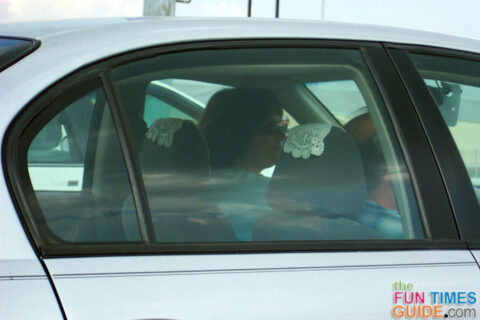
241 128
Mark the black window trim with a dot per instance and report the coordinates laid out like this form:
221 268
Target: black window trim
444 236
34 119
133 168
434 208
30 46
451 165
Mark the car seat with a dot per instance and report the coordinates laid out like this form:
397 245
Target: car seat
174 162
317 187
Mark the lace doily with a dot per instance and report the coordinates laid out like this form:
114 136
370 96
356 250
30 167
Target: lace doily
307 139
162 130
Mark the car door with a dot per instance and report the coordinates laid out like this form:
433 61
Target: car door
120 257
451 122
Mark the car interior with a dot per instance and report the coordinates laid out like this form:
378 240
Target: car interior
176 179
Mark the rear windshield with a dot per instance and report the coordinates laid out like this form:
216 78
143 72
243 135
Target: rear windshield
12 50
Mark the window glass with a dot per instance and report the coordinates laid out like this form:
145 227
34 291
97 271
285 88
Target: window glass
12 50
60 147
342 98
455 86
198 91
203 176
77 171
177 98
156 108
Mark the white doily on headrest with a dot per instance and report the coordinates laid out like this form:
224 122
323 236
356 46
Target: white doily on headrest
307 139
162 130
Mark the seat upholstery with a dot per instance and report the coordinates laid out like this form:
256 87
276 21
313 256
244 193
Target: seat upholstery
316 198
175 169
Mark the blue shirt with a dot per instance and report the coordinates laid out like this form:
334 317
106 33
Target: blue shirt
387 222
241 198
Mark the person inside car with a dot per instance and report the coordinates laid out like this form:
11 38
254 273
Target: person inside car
381 212
244 131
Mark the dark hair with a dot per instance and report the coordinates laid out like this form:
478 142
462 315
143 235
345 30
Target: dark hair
232 118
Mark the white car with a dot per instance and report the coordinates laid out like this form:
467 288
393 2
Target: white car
116 205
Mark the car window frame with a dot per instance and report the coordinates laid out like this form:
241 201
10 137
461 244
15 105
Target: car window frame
30 46
35 119
435 211
452 168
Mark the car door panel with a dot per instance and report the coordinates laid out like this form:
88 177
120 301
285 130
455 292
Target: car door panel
349 285
25 289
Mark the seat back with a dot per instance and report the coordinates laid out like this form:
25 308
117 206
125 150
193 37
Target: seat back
317 187
174 162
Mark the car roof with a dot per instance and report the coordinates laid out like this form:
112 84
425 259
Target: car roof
69 45
151 30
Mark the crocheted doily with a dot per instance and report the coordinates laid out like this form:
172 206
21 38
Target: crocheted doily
307 139
162 130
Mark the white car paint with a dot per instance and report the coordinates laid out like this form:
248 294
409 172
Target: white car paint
476 254
25 291
255 286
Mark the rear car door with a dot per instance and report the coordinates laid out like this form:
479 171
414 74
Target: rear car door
137 242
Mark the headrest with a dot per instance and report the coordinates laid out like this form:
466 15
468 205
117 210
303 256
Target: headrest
174 162
319 171
173 158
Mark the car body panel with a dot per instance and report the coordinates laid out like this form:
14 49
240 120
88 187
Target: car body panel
14 245
254 286
25 291
476 254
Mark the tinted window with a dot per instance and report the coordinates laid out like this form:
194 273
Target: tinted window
203 181
342 98
12 50
455 87
56 157
77 170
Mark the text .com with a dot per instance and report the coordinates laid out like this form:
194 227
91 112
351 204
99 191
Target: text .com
410 304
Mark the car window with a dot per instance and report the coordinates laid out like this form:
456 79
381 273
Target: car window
257 161
177 98
202 178
156 108
342 98
77 170
60 147
12 50
198 91
457 94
